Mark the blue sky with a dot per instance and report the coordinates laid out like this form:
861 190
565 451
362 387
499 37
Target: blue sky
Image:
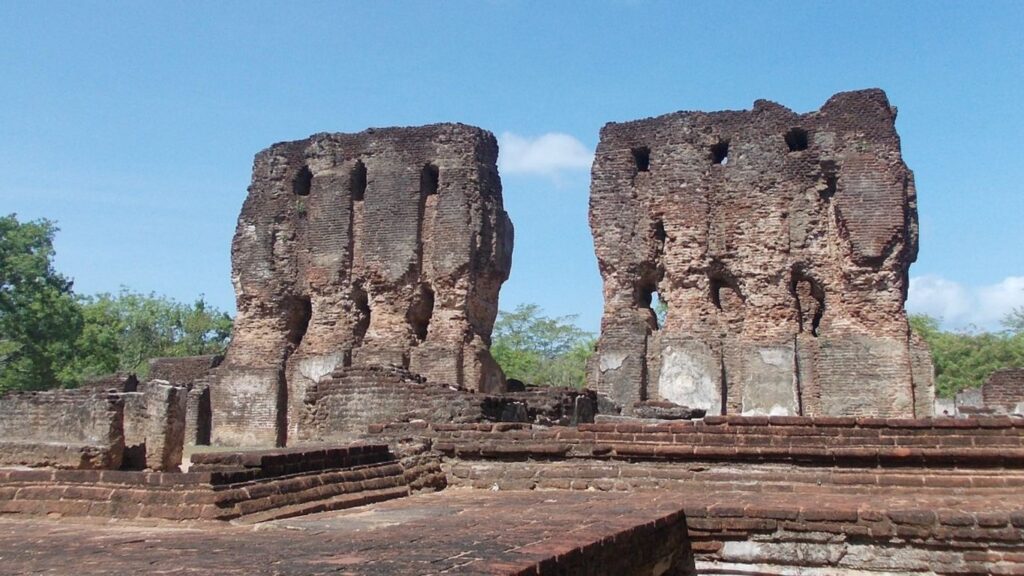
134 124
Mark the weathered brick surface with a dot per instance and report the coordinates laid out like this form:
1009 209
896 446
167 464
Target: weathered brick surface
1002 393
940 442
453 532
62 428
254 486
154 425
342 405
183 370
780 243
383 247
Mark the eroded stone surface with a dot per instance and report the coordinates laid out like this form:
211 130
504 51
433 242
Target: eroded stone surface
781 243
384 247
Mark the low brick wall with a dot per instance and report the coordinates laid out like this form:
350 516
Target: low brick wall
944 442
254 486
342 405
736 533
183 370
627 476
62 428
767 495
192 373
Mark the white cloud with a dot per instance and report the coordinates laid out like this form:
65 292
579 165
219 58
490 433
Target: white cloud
545 155
963 307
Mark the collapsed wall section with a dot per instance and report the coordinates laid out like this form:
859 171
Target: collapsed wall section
386 247
780 244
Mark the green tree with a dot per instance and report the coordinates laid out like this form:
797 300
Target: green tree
122 332
963 359
541 350
39 318
1014 322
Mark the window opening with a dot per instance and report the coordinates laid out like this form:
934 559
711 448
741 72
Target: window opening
796 139
720 153
303 182
642 158
659 231
361 301
357 181
300 311
420 312
429 180
648 298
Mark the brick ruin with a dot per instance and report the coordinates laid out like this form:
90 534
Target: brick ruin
386 247
1002 394
112 423
367 268
780 243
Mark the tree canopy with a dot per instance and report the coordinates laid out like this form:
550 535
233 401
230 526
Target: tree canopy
121 332
51 337
541 350
39 317
965 359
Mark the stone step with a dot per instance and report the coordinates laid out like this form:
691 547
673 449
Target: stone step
339 502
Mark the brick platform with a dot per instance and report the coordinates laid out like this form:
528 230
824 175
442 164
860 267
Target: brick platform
782 495
451 532
221 486
754 495
943 442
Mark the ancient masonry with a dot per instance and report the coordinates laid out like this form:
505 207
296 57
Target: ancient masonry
386 247
781 244
1001 394
367 270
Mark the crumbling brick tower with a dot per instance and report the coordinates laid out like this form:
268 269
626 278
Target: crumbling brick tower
383 247
781 244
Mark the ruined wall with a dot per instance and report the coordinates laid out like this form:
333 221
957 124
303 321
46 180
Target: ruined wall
183 370
192 372
348 402
62 428
384 247
1001 394
781 244
154 426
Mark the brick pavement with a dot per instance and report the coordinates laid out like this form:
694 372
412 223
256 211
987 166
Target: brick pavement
905 530
450 532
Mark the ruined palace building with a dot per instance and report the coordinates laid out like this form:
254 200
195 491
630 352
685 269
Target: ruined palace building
779 242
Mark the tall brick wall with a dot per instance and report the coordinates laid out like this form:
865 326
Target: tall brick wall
384 247
781 243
